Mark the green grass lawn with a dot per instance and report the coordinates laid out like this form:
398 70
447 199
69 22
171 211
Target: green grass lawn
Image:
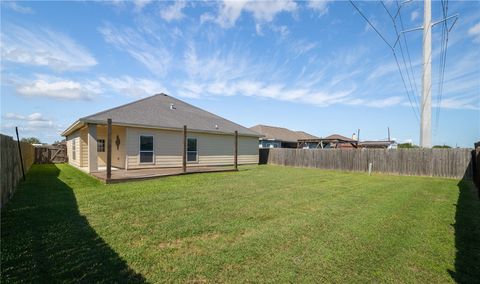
262 224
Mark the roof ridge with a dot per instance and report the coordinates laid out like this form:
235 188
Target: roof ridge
120 106
272 126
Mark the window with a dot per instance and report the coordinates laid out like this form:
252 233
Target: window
101 145
74 149
270 144
192 153
146 149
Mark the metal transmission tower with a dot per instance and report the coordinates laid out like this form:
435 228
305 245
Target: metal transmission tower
426 101
426 105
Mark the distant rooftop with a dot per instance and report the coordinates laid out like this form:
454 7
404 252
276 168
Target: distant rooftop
281 133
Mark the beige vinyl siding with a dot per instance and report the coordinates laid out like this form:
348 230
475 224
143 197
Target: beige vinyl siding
83 147
71 139
213 149
118 155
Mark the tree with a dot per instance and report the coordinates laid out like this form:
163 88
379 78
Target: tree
407 145
442 146
31 140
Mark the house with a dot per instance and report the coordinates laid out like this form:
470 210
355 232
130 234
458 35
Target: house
331 141
148 133
279 137
341 142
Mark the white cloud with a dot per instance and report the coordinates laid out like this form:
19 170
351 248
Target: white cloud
258 29
18 8
414 15
262 11
130 86
265 11
387 102
319 6
382 70
65 88
282 30
472 103
43 47
173 12
234 74
36 116
140 4
148 51
229 12
59 88
28 122
302 46
475 32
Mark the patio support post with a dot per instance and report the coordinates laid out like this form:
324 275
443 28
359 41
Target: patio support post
184 151
92 148
109 149
235 158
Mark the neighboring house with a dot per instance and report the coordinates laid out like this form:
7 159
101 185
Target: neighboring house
336 141
148 133
332 141
279 137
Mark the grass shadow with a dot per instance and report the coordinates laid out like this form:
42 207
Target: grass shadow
46 239
467 234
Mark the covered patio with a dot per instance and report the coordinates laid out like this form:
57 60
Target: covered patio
120 175
111 173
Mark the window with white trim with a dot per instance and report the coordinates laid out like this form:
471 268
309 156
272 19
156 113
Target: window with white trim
146 149
74 149
192 153
101 145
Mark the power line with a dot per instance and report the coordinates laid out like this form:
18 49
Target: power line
441 79
375 29
394 54
442 49
408 51
403 55
405 86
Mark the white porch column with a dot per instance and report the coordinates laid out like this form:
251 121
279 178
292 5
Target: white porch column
92 148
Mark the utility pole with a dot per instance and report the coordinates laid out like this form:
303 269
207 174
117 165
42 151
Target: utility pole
426 105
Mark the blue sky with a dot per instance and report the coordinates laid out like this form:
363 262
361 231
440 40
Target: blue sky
311 66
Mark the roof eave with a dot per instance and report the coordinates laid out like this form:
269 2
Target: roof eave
76 125
163 128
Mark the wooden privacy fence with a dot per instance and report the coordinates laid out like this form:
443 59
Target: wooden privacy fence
451 163
11 169
51 154
476 166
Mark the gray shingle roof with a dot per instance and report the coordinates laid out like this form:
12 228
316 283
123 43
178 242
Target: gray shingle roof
155 111
339 137
280 133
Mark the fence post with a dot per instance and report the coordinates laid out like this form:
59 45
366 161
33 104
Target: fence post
184 150
20 153
235 159
109 149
